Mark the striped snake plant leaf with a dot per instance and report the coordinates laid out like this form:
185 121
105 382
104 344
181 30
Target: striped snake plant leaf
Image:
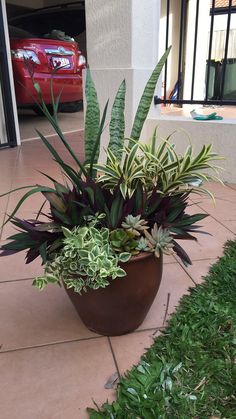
96 145
146 98
92 118
117 122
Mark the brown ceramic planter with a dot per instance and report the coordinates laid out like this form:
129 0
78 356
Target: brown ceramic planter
123 305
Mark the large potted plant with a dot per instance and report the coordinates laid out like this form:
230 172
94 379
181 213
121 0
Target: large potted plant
109 224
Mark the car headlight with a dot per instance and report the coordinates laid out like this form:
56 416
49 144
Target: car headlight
81 60
25 54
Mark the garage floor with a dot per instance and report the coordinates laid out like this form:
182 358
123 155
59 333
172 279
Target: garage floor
29 121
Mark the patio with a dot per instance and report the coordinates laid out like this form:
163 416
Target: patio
51 365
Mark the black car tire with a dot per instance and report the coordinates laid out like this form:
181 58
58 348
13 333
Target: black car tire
71 107
39 112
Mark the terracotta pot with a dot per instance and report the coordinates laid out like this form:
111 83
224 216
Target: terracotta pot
123 305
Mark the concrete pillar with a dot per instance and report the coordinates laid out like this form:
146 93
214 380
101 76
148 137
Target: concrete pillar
3 133
122 42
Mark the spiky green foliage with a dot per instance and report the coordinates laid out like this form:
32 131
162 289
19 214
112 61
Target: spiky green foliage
127 173
86 260
117 122
158 164
146 98
92 118
189 372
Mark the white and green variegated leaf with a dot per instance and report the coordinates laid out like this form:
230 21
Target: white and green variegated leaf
146 98
92 118
117 123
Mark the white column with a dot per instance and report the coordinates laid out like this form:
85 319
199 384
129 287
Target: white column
122 42
3 132
5 23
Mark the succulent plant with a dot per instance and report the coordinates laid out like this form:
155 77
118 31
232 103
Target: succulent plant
123 241
143 245
159 241
134 225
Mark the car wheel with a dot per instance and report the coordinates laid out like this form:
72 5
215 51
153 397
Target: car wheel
71 107
39 111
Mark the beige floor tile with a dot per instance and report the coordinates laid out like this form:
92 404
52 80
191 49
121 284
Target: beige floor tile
168 259
218 190
231 225
2 216
32 203
194 208
128 349
223 210
175 282
7 173
199 269
31 317
13 267
231 185
28 121
5 184
55 382
8 157
3 202
24 171
208 246
38 178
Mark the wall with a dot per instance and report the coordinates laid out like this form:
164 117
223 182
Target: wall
3 133
122 42
220 133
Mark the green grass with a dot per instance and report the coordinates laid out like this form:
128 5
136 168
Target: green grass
190 371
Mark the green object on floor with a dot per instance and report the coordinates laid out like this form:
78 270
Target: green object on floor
190 370
211 117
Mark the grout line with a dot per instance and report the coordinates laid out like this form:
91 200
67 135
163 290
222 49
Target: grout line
26 140
218 221
185 270
43 345
15 280
230 187
190 277
114 357
167 308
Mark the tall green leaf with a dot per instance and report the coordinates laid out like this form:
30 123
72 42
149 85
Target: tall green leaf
95 151
92 118
117 123
146 98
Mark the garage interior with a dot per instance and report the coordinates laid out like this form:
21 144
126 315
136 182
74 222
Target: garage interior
72 24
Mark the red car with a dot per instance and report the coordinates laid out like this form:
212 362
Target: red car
45 59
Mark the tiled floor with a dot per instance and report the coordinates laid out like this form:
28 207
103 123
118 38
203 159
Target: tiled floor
51 365
28 121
